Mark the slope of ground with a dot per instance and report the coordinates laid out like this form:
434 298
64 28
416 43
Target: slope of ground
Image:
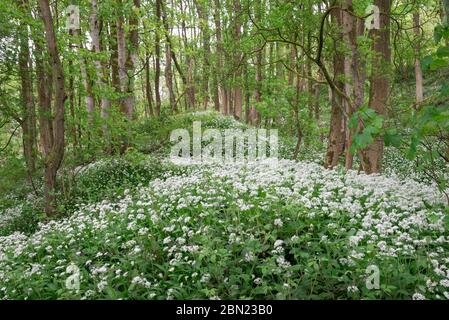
263 230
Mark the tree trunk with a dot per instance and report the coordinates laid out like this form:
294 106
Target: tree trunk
55 144
131 60
28 122
148 90
88 98
379 90
219 69
171 54
237 58
418 72
336 138
169 77
204 27
299 88
354 72
445 13
100 76
121 57
158 60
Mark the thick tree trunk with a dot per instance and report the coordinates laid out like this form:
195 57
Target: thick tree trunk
380 85
55 144
336 138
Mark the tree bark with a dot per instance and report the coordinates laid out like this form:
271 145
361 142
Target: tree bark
168 61
100 79
131 60
379 90
205 33
418 72
237 57
354 73
158 60
28 122
148 90
55 143
222 96
121 57
336 138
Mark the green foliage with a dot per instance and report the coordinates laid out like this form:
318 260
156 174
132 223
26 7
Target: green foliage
200 232
372 127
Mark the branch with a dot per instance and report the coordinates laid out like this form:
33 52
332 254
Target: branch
10 138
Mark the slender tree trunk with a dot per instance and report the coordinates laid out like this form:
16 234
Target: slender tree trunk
172 55
54 145
203 14
299 88
221 89
158 61
148 90
169 77
28 122
418 72
354 72
247 94
445 13
113 61
73 129
254 113
88 98
131 60
100 76
237 58
121 56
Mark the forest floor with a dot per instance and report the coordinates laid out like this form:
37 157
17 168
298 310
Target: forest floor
141 227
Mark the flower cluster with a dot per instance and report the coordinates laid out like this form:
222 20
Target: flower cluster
259 230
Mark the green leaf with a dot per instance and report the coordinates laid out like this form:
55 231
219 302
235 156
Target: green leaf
444 90
438 63
443 52
426 62
392 138
413 147
438 33
354 121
